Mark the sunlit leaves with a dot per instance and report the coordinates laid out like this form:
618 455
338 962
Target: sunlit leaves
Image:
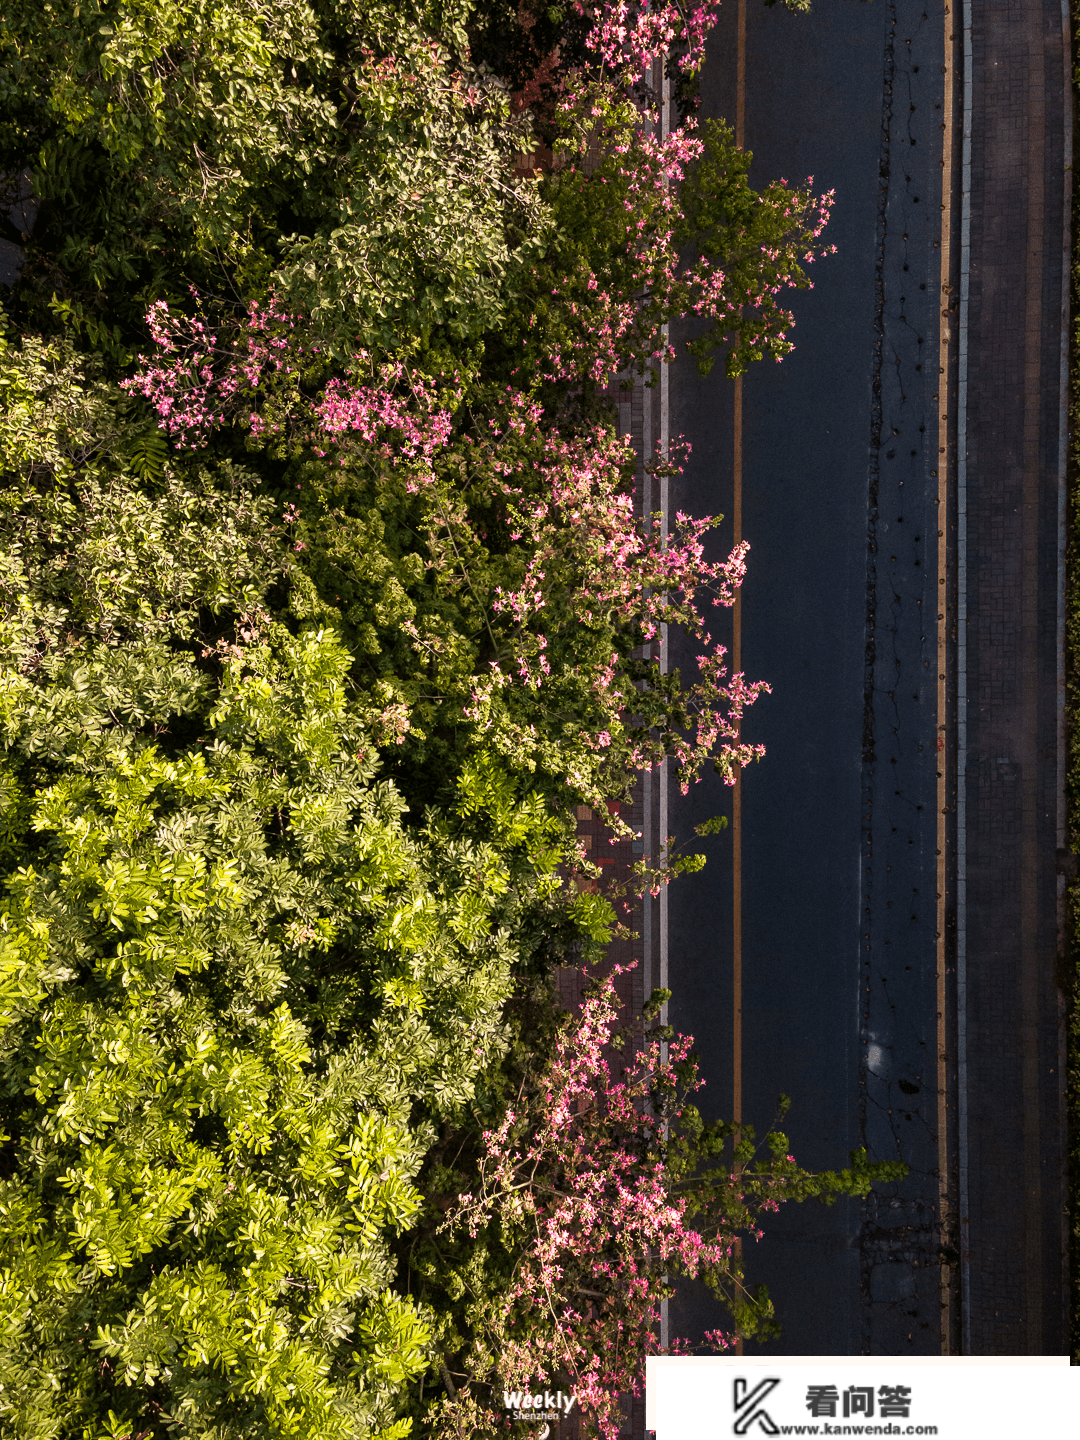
236 988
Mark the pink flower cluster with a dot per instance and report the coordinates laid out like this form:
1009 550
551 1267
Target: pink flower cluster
370 411
197 382
629 34
576 1177
405 429
582 537
200 380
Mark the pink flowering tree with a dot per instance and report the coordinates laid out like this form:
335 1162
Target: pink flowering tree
531 534
654 227
471 523
651 221
472 526
596 1192
660 227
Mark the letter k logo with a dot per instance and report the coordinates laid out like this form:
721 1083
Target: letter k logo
748 1407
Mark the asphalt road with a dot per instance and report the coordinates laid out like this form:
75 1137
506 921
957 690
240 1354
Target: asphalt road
839 944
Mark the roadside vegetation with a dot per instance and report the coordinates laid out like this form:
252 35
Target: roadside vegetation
323 602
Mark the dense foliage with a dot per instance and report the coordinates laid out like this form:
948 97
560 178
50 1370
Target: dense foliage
341 149
237 986
324 598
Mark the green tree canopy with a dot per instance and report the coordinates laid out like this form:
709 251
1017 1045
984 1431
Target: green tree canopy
236 988
344 154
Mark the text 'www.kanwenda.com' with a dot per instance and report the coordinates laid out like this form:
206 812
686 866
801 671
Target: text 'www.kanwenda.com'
857 1430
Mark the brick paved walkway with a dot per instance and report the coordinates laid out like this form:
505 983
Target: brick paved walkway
1013 1230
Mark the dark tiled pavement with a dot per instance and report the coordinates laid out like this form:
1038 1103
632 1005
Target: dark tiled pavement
1015 1271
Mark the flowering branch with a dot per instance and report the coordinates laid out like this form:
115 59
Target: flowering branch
605 1186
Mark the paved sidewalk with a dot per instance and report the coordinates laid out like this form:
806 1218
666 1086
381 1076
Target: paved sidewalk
1014 1284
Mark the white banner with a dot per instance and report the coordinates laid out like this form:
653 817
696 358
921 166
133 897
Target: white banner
958 1398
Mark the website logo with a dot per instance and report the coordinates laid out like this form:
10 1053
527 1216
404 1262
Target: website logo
749 1410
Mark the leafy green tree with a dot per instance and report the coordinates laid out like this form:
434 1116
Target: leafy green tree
237 990
341 152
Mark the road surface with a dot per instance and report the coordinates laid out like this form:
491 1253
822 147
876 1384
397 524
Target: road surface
873 940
